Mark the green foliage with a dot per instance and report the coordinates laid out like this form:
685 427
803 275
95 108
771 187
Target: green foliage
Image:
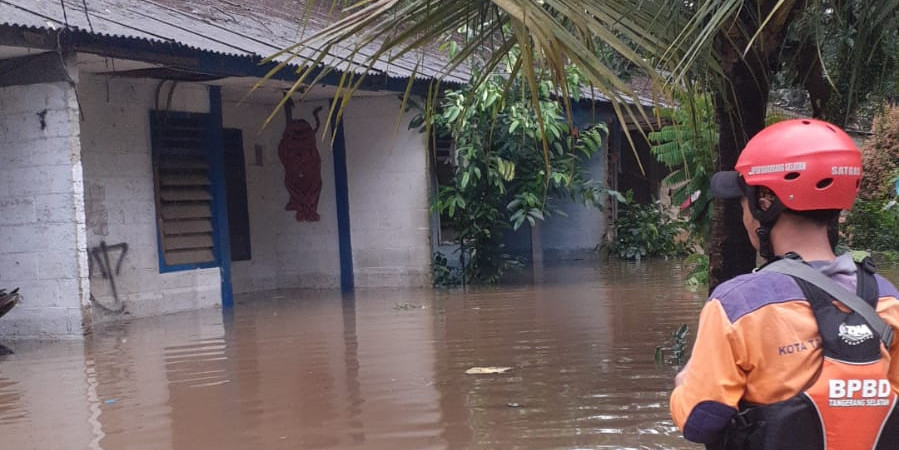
872 225
849 48
887 257
444 274
881 157
688 148
645 231
699 270
676 351
514 154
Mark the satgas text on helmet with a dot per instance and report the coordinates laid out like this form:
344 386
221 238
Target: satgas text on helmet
846 170
776 168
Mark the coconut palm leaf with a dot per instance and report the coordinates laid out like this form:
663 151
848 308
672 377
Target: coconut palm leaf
734 43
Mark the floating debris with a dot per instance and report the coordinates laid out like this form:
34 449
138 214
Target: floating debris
408 306
487 370
8 300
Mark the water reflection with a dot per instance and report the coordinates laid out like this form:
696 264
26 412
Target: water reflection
370 369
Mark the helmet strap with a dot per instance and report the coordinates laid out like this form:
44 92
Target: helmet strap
766 249
767 218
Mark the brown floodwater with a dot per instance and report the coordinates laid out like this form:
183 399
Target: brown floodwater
374 369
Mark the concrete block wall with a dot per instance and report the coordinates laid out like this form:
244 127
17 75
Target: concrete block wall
576 234
286 254
119 197
42 221
388 190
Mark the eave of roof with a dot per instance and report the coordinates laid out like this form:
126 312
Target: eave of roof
214 26
186 33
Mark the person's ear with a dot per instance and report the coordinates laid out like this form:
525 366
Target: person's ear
765 203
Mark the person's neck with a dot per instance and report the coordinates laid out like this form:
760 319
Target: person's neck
807 239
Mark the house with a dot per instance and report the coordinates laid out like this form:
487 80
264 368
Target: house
138 175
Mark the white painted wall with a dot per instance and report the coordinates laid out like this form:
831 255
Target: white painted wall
388 190
42 224
119 195
286 254
42 212
576 234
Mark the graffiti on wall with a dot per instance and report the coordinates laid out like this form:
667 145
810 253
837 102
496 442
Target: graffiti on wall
302 165
99 255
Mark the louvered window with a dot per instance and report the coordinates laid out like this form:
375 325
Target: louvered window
184 209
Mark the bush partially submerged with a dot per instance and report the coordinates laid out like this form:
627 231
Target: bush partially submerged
645 231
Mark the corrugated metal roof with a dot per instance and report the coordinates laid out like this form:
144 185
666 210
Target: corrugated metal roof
259 29
256 29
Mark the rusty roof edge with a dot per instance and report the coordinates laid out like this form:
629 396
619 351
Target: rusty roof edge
155 51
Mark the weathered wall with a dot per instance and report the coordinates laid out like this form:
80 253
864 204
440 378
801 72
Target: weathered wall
576 234
119 196
42 224
388 190
285 253
43 213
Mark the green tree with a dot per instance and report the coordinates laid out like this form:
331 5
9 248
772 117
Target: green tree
503 179
687 147
739 43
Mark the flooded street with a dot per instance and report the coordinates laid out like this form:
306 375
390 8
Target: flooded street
373 369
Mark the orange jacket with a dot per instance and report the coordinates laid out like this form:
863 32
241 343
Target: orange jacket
758 341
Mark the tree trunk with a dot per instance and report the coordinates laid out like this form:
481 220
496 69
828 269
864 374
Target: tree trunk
740 106
730 252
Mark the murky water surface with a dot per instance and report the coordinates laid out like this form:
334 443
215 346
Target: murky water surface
374 369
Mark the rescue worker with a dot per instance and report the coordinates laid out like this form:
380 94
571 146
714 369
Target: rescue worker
758 349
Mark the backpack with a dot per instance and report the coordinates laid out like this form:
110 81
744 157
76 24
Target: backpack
851 404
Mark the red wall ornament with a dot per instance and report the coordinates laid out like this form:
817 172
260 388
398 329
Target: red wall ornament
302 166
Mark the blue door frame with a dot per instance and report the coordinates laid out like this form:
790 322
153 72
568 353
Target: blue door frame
341 186
219 194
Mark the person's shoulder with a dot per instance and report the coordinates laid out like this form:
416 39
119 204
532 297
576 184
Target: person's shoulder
886 288
755 282
747 293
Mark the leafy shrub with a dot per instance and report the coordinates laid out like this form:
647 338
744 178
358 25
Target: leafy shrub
645 231
872 225
444 274
514 153
677 351
688 148
698 264
881 157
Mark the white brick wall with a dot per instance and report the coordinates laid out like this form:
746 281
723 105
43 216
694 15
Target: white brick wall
388 190
119 196
42 224
48 230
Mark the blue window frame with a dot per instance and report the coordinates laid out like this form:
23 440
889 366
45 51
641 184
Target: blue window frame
184 176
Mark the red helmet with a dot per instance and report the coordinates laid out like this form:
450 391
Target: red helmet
807 163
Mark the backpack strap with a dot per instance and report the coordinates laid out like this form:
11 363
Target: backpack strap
866 286
799 269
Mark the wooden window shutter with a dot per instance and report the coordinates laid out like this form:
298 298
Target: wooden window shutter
183 189
236 187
